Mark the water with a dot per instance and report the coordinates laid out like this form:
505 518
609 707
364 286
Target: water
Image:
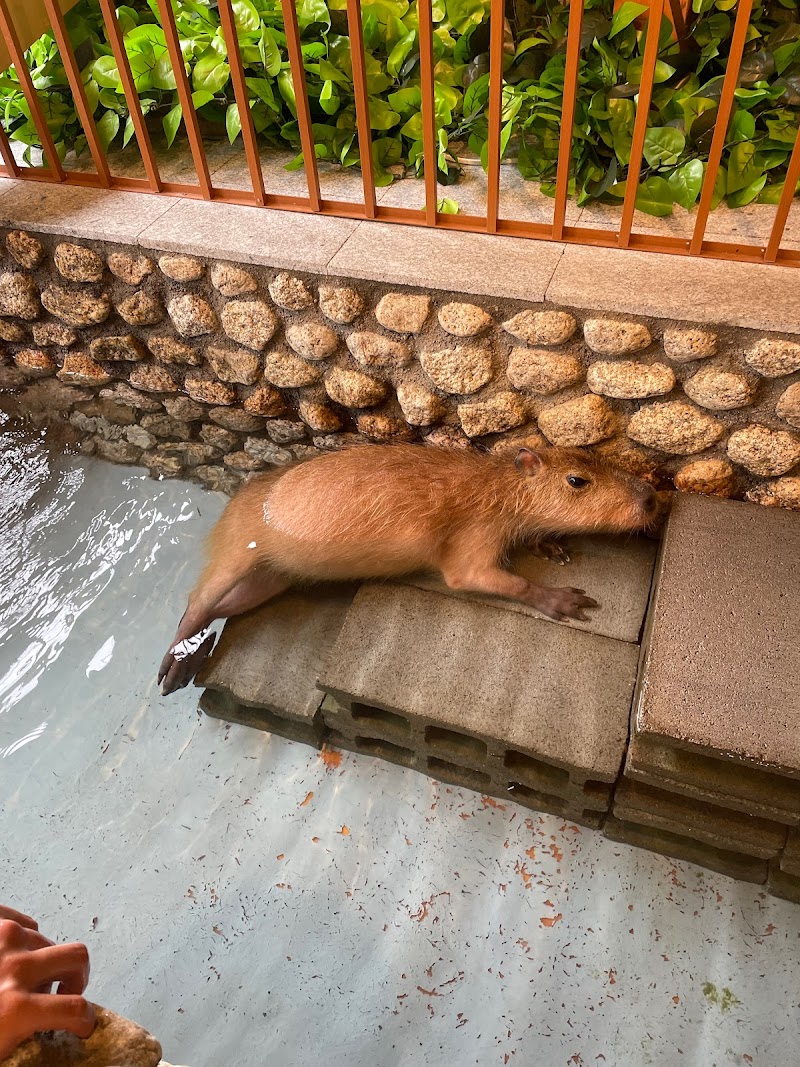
253 904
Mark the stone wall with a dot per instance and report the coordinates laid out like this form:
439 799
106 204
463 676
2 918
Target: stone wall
208 370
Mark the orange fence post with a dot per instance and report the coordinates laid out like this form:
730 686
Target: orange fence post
362 106
429 135
496 33
240 92
292 31
784 205
567 116
7 154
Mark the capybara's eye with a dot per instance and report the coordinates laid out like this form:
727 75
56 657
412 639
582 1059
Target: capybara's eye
576 481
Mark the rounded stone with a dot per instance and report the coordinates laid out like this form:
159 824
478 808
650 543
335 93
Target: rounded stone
170 350
184 409
335 442
191 453
78 264
15 332
110 409
152 379
75 306
50 395
340 303
11 378
162 466
627 380
35 363
118 451
122 393
609 337
540 370
312 340
53 333
630 457
19 297
130 269
181 268
402 313
234 364
463 320
219 438
683 344
25 249
304 451
139 437
419 405
231 280
447 437
509 444
504 411
250 322
720 390
290 293
218 479
675 427
375 350
266 401
191 315
243 461
461 370
353 389
711 477
141 309
541 327
80 369
764 451
288 371
782 493
236 420
286 431
267 451
788 406
208 392
384 427
117 347
584 421
774 358
319 417
167 426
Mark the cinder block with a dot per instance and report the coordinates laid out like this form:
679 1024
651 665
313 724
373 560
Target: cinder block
790 857
783 885
707 778
482 688
722 655
732 864
224 706
708 823
267 661
617 573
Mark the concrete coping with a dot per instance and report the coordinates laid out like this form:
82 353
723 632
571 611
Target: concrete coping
753 296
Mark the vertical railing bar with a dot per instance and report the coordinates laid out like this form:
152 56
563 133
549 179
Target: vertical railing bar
7 154
131 96
724 110
429 145
292 31
496 34
567 115
228 21
362 105
190 122
784 204
640 125
73 73
17 56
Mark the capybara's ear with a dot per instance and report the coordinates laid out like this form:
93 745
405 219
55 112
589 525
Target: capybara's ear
527 461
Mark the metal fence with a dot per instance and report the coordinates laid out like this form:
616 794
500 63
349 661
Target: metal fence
623 236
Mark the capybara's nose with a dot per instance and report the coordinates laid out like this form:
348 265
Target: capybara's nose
649 498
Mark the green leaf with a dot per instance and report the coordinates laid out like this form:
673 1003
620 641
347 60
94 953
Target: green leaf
381 116
233 122
171 123
748 194
269 52
686 183
311 11
128 131
400 53
742 127
663 71
743 167
663 146
694 107
625 15
105 73
245 16
621 126
108 128
329 98
720 183
654 197
446 206
211 72
286 89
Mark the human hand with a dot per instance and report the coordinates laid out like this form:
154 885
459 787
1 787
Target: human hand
29 964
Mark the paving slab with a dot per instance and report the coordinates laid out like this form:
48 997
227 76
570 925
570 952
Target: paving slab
733 864
616 573
715 781
722 656
460 672
708 823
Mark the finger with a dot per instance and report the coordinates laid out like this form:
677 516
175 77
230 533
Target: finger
18 917
14 937
67 964
72 1013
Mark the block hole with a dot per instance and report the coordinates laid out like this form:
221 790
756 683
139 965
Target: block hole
387 720
601 790
373 746
535 798
450 772
536 772
455 745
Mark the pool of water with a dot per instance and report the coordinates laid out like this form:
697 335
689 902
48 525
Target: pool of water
252 903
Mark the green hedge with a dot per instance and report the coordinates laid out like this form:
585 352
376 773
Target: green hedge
681 120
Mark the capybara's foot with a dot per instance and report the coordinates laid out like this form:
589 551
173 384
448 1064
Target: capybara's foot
552 550
183 661
560 602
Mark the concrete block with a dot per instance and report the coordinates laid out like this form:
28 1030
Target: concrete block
482 687
308 730
722 659
783 885
790 857
615 572
270 658
732 864
712 825
715 781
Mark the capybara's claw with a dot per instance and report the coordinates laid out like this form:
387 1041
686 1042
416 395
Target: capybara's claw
551 550
183 661
562 602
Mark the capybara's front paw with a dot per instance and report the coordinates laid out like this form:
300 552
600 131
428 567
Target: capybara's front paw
183 661
561 602
551 550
